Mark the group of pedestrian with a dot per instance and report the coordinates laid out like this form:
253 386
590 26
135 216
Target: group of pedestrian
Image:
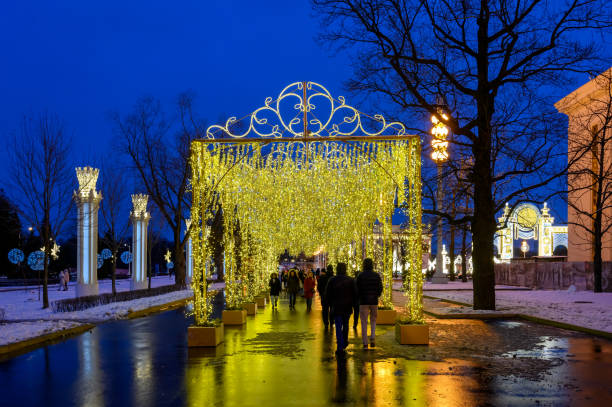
341 296
344 294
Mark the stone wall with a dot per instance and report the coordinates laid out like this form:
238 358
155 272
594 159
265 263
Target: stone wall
552 275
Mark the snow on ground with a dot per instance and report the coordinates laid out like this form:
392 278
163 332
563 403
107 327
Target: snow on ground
20 304
19 331
582 308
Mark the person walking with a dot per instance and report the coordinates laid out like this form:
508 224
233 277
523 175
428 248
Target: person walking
341 295
324 277
293 287
309 289
66 279
60 286
369 288
275 289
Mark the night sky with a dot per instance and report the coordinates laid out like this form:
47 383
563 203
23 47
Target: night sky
82 59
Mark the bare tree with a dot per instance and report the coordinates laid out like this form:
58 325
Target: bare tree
42 181
589 179
489 62
158 151
114 208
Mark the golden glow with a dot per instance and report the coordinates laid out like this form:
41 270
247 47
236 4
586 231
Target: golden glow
87 177
439 145
168 256
305 197
140 206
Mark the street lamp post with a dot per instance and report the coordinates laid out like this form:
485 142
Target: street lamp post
439 153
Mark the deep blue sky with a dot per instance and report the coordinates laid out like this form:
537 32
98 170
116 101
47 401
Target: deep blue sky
82 59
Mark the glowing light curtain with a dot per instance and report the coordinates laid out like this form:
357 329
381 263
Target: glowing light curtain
305 197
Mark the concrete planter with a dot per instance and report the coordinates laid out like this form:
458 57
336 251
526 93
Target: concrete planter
234 317
250 307
204 336
386 317
261 301
412 334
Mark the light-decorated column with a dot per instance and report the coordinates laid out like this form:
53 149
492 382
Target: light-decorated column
140 223
188 255
88 202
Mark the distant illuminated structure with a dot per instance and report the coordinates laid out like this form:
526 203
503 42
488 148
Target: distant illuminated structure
88 202
526 222
140 222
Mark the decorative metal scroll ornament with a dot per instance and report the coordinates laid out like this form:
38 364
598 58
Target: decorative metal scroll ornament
336 119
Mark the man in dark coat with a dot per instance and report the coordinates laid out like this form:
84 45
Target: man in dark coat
369 288
321 285
341 295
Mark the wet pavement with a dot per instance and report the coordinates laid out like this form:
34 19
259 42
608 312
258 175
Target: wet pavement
286 358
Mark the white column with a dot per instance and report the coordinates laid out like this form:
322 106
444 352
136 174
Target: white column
88 202
140 222
188 255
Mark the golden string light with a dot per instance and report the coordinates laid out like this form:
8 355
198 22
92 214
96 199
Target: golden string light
305 196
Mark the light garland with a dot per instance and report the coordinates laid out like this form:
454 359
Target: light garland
302 197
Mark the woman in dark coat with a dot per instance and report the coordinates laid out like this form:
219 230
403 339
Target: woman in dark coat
293 287
275 289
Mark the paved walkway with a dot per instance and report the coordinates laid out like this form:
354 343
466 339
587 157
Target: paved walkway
285 358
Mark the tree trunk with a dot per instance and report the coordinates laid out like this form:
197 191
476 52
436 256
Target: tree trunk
597 245
179 263
113 270
46 237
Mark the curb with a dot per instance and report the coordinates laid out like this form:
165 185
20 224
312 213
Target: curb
158 308
15 348
33 343
538 320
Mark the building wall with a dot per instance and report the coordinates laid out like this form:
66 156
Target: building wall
580 106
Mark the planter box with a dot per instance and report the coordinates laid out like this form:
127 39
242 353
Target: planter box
204 336
412 334
261 301
234 317
386 317
250 307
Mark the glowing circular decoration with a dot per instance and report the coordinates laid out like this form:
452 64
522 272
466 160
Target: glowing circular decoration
126 257
526 217
100 260
16 256
170 265
106 254
36 260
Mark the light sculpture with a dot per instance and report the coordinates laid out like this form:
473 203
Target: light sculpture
439 153
88 202
310 190
140 222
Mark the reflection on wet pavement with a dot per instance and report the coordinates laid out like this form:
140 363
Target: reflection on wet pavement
285 358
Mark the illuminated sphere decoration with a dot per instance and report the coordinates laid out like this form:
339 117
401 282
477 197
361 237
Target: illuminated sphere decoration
126 257
106 254
16 256
36 260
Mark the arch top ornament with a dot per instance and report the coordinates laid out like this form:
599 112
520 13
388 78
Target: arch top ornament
305 109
